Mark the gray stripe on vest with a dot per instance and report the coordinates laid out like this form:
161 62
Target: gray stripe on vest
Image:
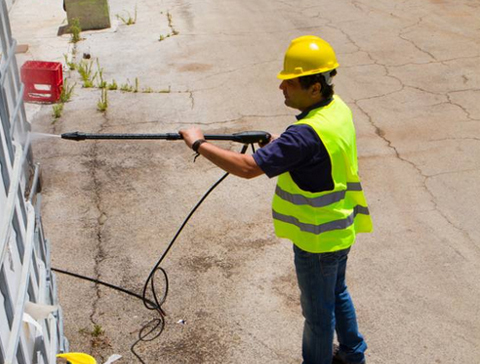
354 186
322 228
320 201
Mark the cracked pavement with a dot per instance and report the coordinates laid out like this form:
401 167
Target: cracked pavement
410 72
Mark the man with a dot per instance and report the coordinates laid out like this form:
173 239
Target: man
318 203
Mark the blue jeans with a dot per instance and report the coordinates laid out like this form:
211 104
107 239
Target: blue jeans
327 307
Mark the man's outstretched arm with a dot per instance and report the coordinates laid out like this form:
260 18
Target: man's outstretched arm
241 165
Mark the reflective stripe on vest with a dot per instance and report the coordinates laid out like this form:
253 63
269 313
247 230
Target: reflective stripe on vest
323 228
320 201
325 221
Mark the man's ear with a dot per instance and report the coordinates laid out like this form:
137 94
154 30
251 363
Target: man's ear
316 89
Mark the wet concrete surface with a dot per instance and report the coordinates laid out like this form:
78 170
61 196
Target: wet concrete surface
409 70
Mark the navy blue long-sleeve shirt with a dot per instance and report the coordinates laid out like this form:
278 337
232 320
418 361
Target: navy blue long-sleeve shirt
300 151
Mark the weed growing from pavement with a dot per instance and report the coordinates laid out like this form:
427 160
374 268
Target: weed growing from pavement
88 76
101 82
129 20
75 29
65 96
126 87
97 337
57 112
71 65
137 84
97 330
112 86
67 91
170 24
163 37
167 91
85 70
102 104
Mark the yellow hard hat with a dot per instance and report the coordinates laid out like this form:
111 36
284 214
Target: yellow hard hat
78 358
307 55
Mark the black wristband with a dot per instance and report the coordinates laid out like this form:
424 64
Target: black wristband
197 144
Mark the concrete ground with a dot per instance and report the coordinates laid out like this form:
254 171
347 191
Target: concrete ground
410 72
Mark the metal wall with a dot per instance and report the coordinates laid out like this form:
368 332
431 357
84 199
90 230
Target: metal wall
31 327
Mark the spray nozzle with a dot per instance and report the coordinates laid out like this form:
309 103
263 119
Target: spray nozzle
74 136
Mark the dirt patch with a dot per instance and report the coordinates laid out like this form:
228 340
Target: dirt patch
285 286
194 67
197 346
202 264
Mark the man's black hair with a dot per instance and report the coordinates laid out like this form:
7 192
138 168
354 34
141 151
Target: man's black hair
327 90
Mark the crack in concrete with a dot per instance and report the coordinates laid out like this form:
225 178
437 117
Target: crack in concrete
433 199
404 31
170 24
359 6
239 119
453 172
192 99
256 33
387 74
467 113
250 65
454 138
288 4
443 62
426 91
100 254
243 117
349 38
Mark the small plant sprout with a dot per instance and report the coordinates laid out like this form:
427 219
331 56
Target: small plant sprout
126 87
101 82
128 20
97 330
67 91
57 112
102 104
70 65
137 84
84 68
112 86
167 91
163 37
75 30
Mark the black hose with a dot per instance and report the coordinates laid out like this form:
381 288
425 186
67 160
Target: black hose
157 325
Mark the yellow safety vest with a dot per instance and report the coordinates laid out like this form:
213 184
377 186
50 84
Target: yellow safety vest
325 221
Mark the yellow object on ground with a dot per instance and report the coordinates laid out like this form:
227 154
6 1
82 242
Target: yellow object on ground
308 55
78 358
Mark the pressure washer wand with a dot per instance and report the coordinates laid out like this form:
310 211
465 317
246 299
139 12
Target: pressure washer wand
246 137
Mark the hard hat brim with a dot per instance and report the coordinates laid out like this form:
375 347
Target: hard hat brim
288 76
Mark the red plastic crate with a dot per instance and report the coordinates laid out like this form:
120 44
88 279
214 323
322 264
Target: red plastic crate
43 81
